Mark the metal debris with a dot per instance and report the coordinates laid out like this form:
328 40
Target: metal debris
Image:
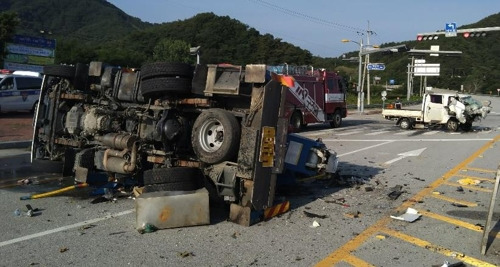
313 215
315 224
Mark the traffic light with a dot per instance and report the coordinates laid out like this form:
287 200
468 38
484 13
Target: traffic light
474 34
427 37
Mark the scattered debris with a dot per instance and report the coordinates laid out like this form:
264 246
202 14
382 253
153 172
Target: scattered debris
62 250
437 193
419 179
137 191
118 233
147 228
24 181
459 205
381 237
313 215
17 212
396 191
469 181
410 215
460 189
235 235
353 215
368 189
315 224
186 254
339 201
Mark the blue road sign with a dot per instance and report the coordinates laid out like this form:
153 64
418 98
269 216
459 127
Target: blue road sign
375 66
450 29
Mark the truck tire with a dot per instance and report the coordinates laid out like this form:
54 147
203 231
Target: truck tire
337 119
405 124
165 85
172 175
166 69
216 136
59 71
452 125
179 186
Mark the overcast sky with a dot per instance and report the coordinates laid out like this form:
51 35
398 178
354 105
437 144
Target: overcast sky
320 25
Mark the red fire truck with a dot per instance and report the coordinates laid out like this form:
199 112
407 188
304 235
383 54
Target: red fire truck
314 95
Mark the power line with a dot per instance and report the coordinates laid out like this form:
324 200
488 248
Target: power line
307 17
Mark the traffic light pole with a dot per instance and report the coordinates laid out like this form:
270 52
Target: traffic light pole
360 69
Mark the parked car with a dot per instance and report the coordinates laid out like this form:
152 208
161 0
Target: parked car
19 91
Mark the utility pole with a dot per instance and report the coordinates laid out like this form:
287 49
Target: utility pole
368 33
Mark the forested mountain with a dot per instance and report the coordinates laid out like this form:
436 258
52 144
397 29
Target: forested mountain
88 30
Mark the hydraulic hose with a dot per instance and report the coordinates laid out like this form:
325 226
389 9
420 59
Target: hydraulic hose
55 192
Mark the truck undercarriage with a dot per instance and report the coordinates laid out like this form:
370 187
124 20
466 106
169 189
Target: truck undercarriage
168 127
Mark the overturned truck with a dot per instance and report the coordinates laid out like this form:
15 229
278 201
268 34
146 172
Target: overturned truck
170 127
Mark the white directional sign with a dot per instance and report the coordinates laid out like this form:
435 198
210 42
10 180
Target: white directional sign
413 153
375 66
450 29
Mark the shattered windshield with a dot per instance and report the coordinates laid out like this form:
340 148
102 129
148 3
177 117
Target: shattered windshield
469 101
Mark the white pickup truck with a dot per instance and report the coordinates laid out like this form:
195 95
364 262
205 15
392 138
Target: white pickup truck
441 107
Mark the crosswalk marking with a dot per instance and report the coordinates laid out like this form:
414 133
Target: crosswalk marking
377 133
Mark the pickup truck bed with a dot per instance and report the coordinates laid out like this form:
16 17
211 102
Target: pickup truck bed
402 113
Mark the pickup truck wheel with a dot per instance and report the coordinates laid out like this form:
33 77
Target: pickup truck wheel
166 69
59 71
337 120
452 125
172 175
405 124
216 136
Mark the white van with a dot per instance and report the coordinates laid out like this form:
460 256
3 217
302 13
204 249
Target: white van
19 92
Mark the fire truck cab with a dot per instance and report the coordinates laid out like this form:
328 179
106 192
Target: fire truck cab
313 96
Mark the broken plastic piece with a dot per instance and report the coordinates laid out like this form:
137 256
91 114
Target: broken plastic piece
147 228
315 224
410 215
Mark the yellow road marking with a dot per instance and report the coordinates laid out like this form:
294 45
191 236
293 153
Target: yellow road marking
480 170
355 261
454 200
345 251
471 187
477 178
435 248
450 220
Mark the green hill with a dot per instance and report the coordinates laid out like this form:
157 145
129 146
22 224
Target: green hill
97 30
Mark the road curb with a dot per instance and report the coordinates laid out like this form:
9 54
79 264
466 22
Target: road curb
15 144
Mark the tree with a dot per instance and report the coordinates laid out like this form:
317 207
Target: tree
172 51
8 23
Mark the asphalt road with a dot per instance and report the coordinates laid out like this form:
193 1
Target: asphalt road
355 227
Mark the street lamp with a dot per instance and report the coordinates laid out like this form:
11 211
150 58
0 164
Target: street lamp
360 93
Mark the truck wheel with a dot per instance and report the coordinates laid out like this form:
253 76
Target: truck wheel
59 71
405 124
172 175
179 186
452 125
216 136
296 122
337 120
165 85
166 69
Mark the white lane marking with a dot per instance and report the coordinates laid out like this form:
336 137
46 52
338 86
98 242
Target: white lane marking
64 228
365 148
348 133
413 153
377 133
406 140
430 133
